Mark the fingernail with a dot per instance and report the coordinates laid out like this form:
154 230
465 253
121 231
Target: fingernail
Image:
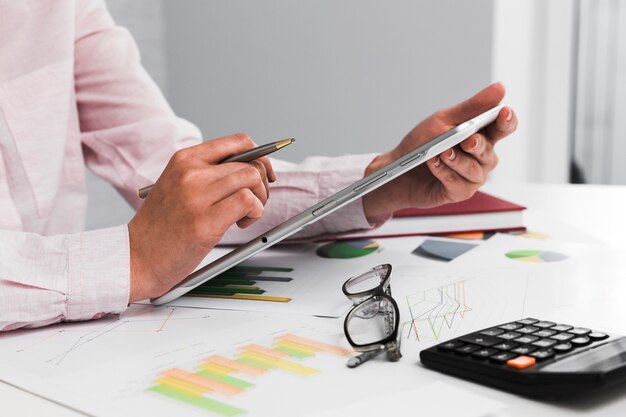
452 156
476 143
437 162
509 116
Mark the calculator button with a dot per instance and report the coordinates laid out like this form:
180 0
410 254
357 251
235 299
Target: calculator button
492 332
466 350
506 345
562 337
562 327
521 362
526 339
528 321
449 346
483 353
544 343
544 333
510 326
524 350
563 347
596 336
502 357
509 335
545 324
527 329
480 340
580 341
542 354
580 331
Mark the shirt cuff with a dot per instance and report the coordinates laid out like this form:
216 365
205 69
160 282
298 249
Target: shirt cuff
98 273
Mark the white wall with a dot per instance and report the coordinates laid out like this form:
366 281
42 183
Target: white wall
532 55
347 76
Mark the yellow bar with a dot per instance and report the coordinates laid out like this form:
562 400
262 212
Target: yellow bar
337 350
179 385
202 381
246 297
279 363
240 367
297 346
211 367
266 351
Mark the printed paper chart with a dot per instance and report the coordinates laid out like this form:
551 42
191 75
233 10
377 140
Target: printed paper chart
249 282
215 383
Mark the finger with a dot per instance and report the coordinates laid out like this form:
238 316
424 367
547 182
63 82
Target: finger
480 148
504 125
242 205
264 176
464 165
479 103
248 177
215 150
271 175
453 186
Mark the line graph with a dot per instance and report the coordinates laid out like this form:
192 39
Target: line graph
73 338
436 309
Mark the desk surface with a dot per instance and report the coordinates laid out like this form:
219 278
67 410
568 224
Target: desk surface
595 210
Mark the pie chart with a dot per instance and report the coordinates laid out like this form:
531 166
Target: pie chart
535 256
347 249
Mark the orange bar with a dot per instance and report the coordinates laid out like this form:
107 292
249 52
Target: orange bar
266 351
337 350
240 367
202 381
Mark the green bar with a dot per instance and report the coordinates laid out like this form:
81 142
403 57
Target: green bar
247 268
252 362
199 401
221 282
227 290
230 380
294 353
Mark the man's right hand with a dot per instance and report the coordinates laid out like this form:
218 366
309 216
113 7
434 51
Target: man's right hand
193 203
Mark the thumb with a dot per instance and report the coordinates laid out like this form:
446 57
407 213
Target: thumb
482 101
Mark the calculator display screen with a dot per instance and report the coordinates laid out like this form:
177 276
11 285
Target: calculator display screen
602 359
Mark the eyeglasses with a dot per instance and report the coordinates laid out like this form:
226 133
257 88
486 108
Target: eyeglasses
371 326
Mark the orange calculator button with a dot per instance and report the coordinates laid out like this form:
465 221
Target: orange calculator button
521 362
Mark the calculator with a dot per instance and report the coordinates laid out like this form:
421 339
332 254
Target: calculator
535 358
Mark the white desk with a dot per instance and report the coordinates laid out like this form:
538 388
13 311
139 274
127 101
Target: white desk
595 210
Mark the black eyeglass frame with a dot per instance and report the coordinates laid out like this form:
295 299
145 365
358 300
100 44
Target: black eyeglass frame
382 291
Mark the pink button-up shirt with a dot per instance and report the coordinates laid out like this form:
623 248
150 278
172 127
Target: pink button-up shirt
73 92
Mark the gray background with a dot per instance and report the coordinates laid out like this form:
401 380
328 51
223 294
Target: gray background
342 77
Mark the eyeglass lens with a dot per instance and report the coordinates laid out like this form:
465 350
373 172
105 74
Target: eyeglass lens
372 321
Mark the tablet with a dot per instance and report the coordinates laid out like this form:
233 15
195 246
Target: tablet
221 259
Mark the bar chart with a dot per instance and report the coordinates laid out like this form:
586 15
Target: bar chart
218 379
246 282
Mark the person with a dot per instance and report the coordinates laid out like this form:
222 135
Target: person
73 92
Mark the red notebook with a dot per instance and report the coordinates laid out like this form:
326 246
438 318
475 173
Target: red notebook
483 212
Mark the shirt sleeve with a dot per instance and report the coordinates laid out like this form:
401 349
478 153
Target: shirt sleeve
128 130
44 280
